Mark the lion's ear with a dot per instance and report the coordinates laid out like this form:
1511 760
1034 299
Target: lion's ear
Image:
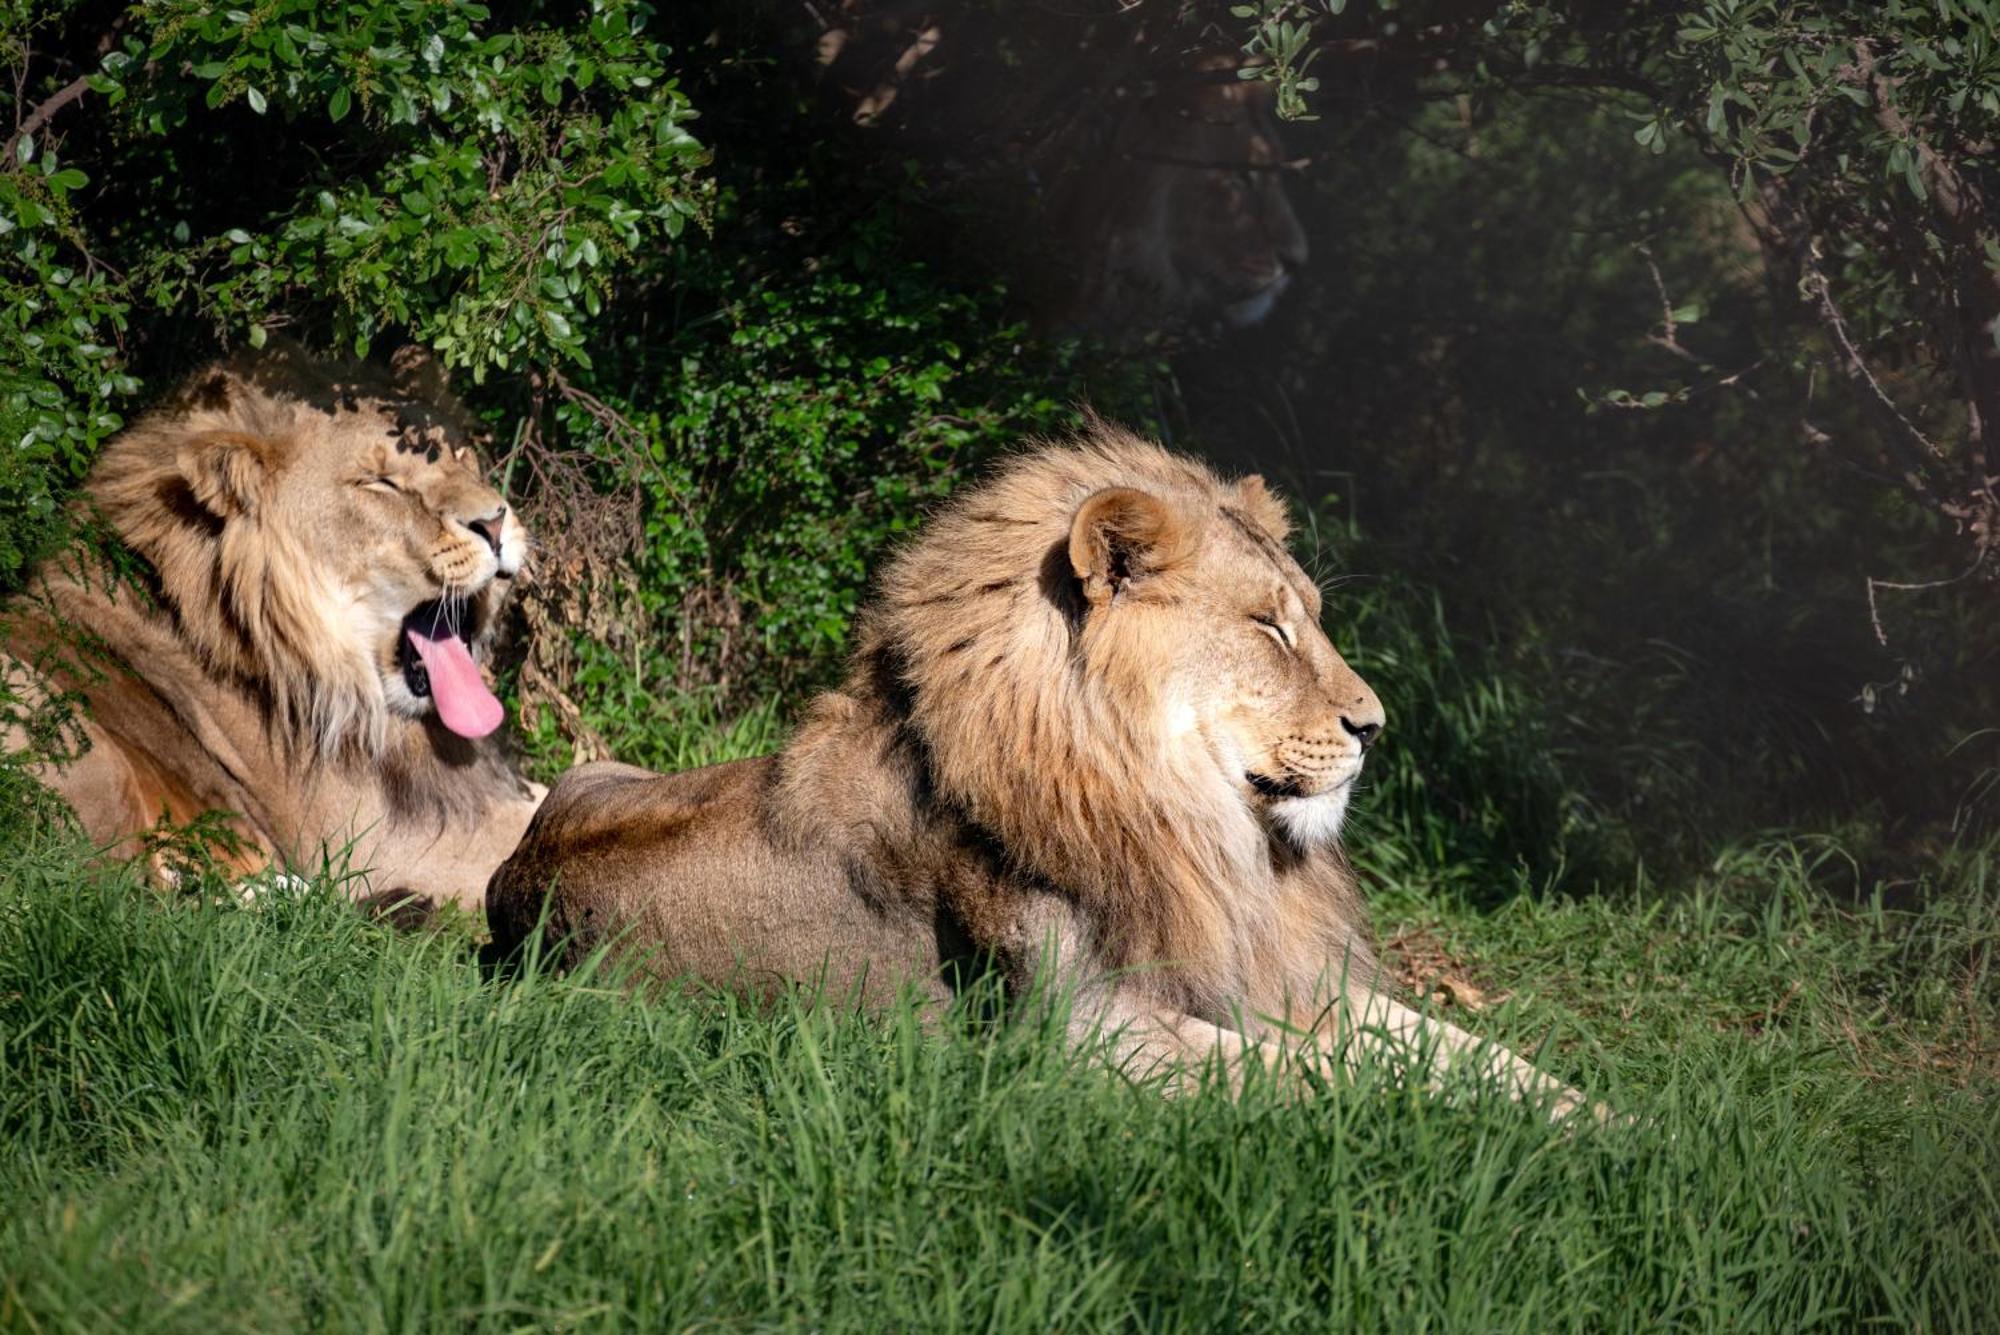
1263 507
1121 536
226 471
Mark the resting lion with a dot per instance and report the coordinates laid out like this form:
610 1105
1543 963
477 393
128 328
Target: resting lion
1091 719
1151 178
323 567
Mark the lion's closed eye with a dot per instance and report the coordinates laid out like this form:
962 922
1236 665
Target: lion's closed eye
1276 628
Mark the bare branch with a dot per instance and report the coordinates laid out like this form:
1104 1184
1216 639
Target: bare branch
1874 613
40 116
1921 451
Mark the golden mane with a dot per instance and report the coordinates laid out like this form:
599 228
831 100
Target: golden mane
1051 736
248 599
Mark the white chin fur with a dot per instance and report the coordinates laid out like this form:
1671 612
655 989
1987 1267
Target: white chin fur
1312 822
1253 309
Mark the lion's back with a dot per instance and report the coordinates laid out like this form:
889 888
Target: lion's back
600 843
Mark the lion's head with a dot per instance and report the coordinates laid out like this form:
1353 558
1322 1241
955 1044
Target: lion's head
1117 669
1154 180
1185 215
324 535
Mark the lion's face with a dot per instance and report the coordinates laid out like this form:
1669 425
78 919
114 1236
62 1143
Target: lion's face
421 548
1159 172
1107 661
326 533
1227 225
1201 595
1193 213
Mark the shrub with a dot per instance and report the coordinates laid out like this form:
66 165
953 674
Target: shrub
190 175
783 427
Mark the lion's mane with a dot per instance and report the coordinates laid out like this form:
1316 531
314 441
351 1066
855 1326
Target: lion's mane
1072 772
253 606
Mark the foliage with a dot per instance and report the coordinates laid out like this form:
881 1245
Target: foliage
712 436
822 427
193 174
767 412
1557 365
798 410
1856 135
1677 595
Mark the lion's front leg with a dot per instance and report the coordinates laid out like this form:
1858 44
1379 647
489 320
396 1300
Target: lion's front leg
1383 1027
1146 1039
1045 949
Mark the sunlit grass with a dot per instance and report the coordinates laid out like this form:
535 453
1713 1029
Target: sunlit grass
282 1116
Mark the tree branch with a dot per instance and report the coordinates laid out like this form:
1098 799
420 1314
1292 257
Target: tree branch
1975 300
1920 453
41 116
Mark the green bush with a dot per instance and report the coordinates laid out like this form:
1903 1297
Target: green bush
782 427
765 413
711 435
1857 135
189 176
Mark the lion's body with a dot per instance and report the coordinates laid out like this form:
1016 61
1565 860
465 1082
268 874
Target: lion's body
1091 720
622 834
248 671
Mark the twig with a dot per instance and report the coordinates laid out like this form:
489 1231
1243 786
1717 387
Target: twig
1857 366
1225 164
40 116
1669 336
1874 616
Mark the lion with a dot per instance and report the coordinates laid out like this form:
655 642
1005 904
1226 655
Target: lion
1152 178
1186 218
1091 735
321 571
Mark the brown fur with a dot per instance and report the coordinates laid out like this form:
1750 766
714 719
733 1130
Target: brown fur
1091 725
287 515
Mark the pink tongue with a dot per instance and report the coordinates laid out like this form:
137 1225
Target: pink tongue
463 702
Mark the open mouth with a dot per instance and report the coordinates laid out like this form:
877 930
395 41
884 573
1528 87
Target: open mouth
435 655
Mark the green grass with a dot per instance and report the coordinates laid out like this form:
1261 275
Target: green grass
285 1116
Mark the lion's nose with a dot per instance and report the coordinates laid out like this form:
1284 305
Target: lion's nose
489 526
1364 732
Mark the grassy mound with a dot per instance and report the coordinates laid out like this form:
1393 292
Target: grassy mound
282 1115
